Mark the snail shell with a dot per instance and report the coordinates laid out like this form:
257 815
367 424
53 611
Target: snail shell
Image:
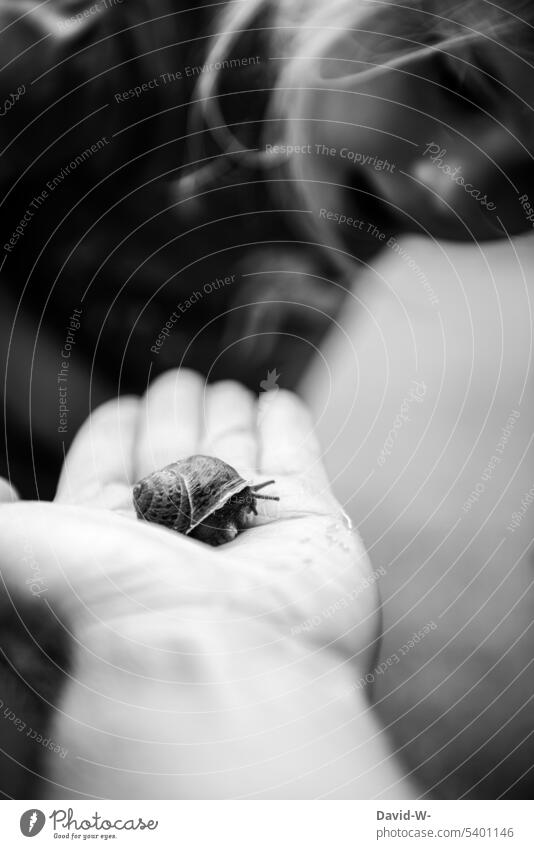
202 497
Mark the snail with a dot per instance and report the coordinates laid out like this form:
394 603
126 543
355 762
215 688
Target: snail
201 496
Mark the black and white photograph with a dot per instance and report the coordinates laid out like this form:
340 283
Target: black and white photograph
267 465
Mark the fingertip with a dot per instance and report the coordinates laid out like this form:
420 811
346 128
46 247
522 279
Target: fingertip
229 390
123 407
280 409
8 493
178 380
170 420
229 424
101 452
288 442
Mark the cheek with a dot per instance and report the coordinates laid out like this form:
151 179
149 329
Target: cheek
376 121
451 171
476 179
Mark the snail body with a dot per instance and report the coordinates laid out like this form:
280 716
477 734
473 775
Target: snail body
200 496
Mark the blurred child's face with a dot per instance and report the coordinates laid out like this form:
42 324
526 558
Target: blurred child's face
449 150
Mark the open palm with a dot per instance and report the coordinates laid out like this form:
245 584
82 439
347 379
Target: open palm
202 672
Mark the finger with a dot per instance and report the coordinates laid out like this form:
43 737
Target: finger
170 420
230 426
8 493
101 456
288 444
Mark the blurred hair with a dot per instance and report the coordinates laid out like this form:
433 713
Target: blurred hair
306 29
299 37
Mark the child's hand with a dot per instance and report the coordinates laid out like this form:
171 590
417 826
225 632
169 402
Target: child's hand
199 671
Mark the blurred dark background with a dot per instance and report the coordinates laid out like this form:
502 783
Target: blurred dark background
116 236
